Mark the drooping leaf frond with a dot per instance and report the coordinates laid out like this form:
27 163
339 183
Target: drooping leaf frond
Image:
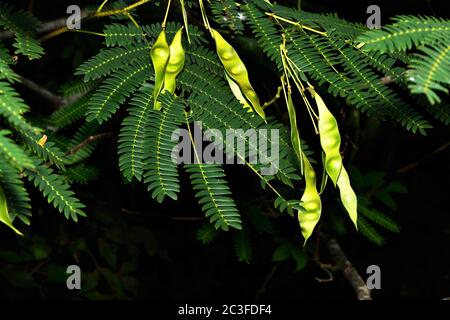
429 68
380 219
56 190
161 173
24 26
47 151
70 113
82 145
406 32
6 71
227 14
242 246
126 35
12 107
81 173
205 58
214 195
78 87
16 155
369 232
430 71
268 36
116 89
134 145
17 197
440 112
111 59
216 107
207 233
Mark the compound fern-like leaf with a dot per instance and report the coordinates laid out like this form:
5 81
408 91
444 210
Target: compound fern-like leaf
161 173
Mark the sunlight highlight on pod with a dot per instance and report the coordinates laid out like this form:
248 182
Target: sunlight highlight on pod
168 61
310 201
348 196
4 214
238 93
160 57
330 139
236 71
176 62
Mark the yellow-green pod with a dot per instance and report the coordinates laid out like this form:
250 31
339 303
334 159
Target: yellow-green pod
238 93
330 139
310 201
160 56
237 71
348 196
176 62
4 214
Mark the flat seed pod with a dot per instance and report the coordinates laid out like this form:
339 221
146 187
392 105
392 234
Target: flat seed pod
330 139
4 215
176 62
238 93
310 201
160 56
237 71
348 196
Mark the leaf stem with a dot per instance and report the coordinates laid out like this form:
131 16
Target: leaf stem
95 15
298 24
166 15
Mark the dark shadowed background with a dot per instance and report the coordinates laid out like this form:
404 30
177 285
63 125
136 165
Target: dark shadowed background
129 247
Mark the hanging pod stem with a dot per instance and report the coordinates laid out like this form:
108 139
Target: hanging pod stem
310 201
176 62
160 57
236 70
295 135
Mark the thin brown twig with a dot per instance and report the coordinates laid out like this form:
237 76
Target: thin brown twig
56 100
47 26
274 99
346 267
94 15
327 268
86 141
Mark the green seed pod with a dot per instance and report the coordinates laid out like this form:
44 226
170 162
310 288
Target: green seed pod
160 56
176 62
330 139
310 201
238 93
237 71
348 196
4 214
